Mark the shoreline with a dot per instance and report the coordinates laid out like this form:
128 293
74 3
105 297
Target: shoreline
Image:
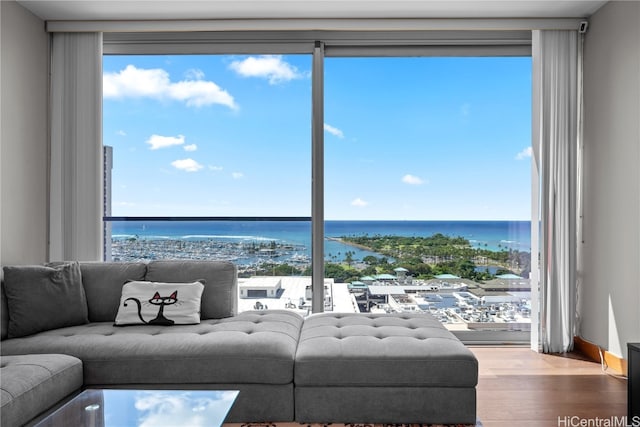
355 245
493 235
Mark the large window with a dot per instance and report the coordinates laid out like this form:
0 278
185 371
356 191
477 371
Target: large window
427 165
426 173
204 150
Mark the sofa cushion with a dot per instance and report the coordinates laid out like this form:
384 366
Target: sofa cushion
103 286
412 350
256 347
41 298
158 303
220 295
33 383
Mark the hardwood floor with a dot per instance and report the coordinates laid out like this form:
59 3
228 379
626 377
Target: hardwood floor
519 387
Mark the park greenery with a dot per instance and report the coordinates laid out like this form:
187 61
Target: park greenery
423 257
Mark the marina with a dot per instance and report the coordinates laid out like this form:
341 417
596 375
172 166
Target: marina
460 304
274 270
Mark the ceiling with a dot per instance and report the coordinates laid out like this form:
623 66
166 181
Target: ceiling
85 10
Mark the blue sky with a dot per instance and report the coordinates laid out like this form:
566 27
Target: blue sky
405 138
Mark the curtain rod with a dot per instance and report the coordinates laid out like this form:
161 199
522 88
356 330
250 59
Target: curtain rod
347 24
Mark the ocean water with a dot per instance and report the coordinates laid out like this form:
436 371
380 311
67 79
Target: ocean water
491 235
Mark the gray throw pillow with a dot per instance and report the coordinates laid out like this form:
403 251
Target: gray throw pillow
40 298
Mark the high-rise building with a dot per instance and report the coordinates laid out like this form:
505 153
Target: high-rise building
107 159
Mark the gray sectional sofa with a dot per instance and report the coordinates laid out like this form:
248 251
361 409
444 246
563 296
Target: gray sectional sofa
325 368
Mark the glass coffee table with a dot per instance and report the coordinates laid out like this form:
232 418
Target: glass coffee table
124 408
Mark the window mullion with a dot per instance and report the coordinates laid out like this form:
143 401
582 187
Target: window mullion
317 181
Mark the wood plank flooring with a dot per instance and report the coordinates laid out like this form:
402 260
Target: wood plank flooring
519 387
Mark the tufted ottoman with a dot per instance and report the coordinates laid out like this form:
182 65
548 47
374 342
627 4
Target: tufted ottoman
383 368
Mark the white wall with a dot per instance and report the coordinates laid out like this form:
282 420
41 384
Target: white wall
23 136
609 299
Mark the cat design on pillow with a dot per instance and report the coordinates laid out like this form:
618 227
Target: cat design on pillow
160 319
158 304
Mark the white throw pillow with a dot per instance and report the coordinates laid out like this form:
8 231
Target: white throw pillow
159 303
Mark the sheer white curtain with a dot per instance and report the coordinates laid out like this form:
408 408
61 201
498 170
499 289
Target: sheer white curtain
555 145
75 198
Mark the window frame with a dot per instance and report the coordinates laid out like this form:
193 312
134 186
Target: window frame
339 43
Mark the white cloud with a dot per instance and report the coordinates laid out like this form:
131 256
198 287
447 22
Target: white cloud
190 147
159 141
358 202
412 180
524 154
271 67
155 83
187 165
215 168
121 133
160 408
333 131
237 175
194 74
199 93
